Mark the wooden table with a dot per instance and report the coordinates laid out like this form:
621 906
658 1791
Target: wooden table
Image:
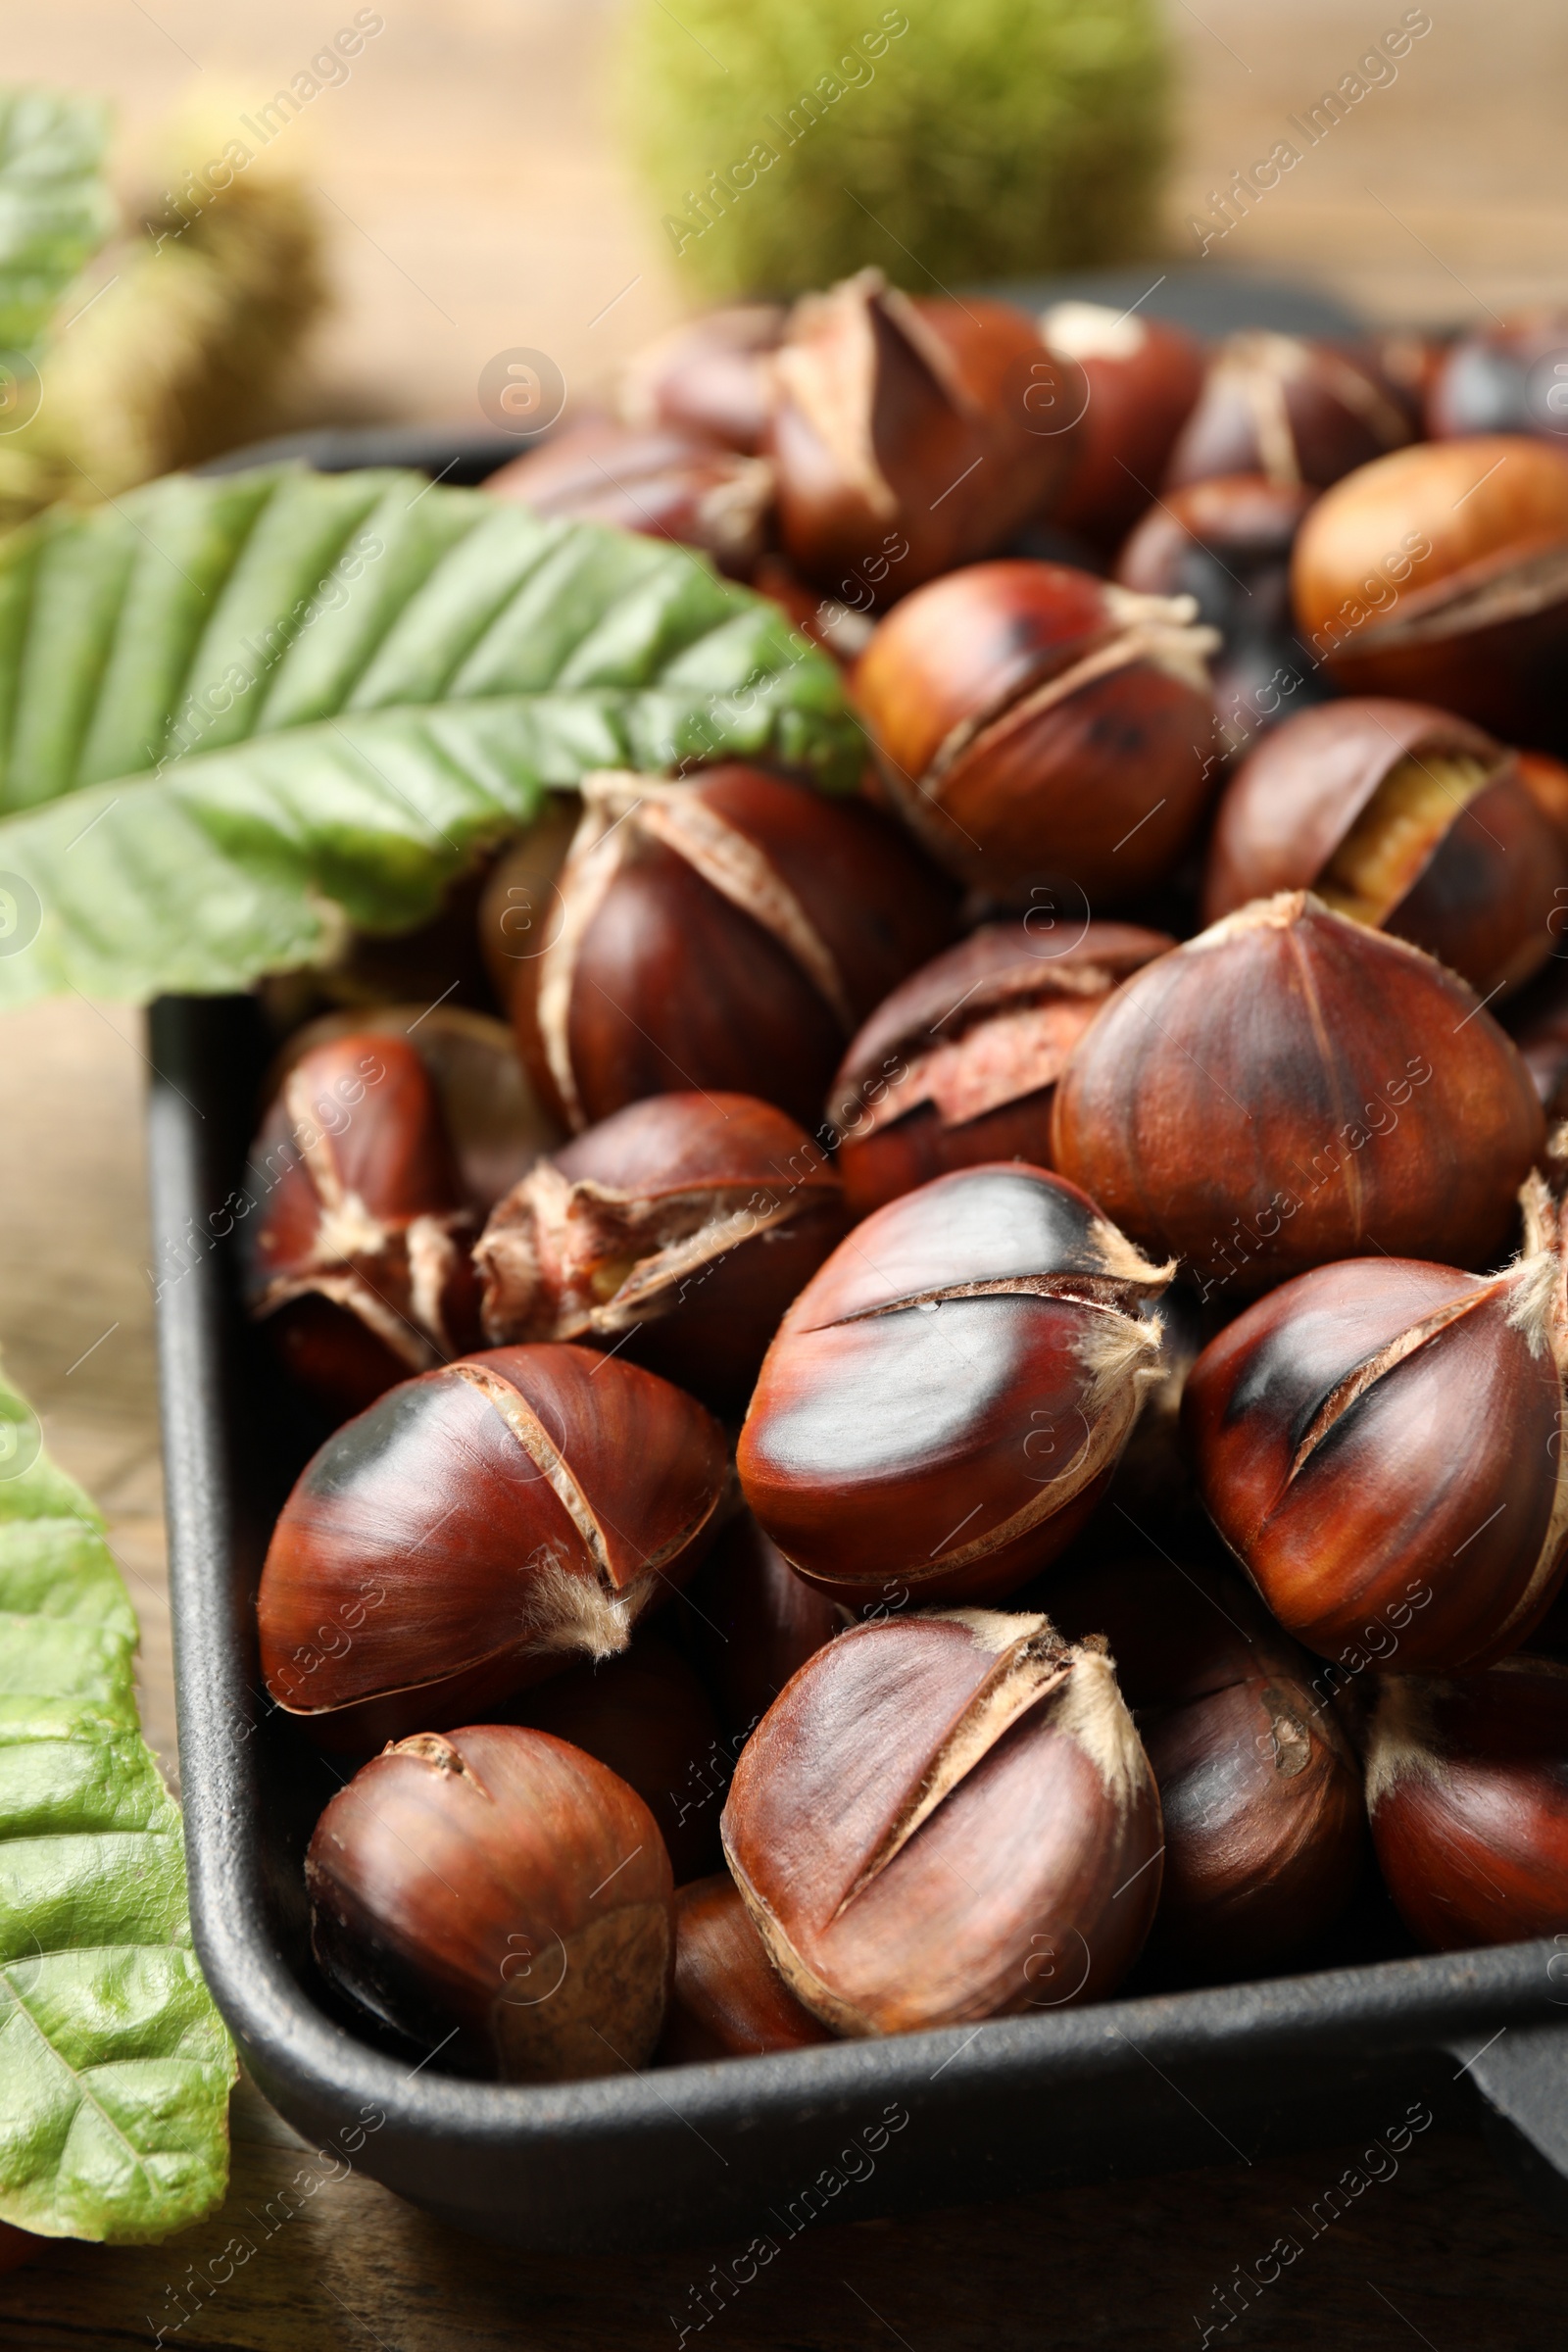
1444 2253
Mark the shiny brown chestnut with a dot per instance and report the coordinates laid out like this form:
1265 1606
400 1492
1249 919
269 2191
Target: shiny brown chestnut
1029 719
357 1258
1226 543
959 1063
729 934
1290 1087
1259 1789
663 483
646 1715
1405 818
1381 1444
1509 377
945 1818
727 1999
945 1401
1282 405
477 1530
754 1622
676 1232
1140 378
711 375
499 1897
1439 573
906 436
1465 1783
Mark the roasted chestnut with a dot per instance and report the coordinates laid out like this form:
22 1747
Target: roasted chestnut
1465 1783
1294 410
908 436
945 1818
945 1399
1140 378
478 1528
1227 544
498 1898
1509 377
677 1231
1440 574
1290 1087
729 934
727 1999
1259 1789
959 1063
359 1257
646 1715
710 376
753 1622
1381 1444
1407 818
664 484
1031 720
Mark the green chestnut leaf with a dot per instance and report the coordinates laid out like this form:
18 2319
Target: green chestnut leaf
238 714
115 2067
55 210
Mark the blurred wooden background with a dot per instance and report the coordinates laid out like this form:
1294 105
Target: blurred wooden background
476 202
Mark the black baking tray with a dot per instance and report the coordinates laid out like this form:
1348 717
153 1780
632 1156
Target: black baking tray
725 2152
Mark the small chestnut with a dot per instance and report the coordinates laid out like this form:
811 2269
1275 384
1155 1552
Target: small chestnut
711 375
727 1999
662 482
1466 1784
945 1818
1030 720
676 1230
1291 1087
753 1622
945 1401
729 934
500 1899
359 1257
905 434
1294 410
1440 574
1405 818
1259 1789
1140 378
960 1062
476 1530
1381 1444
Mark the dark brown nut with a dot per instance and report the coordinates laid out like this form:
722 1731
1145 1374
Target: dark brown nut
1140 378
1227 544
676 1232
1295 411
646 1715
727 2000
959 1065
1466 1784
710 376
1403 817
1259 1789
496 1128
906 436
1030 720
359 1255
663 483
945 1401
1380 1444
1440 575
1290 1087
946 1818
753 1622
728 934
478 1528
1509 377
498 1898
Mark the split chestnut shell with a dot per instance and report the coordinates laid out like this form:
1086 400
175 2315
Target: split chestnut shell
945 1401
